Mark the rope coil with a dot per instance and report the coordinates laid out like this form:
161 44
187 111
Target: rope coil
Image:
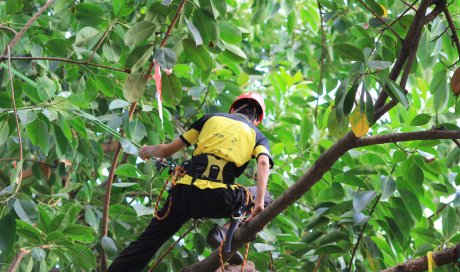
175 174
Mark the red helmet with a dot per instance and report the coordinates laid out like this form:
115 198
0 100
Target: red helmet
254 96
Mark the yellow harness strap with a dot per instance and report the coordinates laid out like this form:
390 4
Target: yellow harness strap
203 183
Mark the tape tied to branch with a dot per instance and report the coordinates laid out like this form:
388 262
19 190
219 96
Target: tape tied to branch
431 262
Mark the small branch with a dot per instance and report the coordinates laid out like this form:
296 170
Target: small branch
408 136
440 7
173 23
380 19
27 26
362 232
18 130
17 260
85 63
9 29
101 41
323 56
447 256
411 6
453 30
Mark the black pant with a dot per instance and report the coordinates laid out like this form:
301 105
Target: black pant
187 202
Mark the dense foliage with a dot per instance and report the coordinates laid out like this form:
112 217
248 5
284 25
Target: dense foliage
82 65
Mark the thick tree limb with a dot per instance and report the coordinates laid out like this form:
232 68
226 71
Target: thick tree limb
408 136
443 257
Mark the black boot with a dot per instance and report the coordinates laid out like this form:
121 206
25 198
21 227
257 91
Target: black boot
216 235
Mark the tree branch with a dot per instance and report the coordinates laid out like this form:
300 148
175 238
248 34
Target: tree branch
446 256
18 130
9 29
17 260
453 30
380 19
27 26
71 61
408 136
101 41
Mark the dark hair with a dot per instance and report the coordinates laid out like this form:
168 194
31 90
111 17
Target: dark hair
248 107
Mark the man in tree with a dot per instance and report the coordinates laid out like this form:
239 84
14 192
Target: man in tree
225 143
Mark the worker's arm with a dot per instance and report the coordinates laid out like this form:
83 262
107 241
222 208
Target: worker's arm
161 150
263 169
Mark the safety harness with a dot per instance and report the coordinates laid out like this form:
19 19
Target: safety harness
208 171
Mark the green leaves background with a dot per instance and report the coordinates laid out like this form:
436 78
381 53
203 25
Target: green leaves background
70 115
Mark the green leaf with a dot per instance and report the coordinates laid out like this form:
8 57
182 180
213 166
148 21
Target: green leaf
263 247
121 8
4 132
137 130
449 222
234 53
370 111
7 236
65 128
412 203
129 215
349 51
421 119
166 57
79 233
85 35
388 187
14 176
197 54
362 199
440 90
207 26
89 14
38 254
46 88
397 93
111 51
172 89
134 87
109 246
415 175
61 141
28 231
306 130
79 125
14 6
376 7
333 237
138 57
330 249
229 33
139 32
26 209
195 32
349 100
453 158
128 170
38 134
359 218
378 64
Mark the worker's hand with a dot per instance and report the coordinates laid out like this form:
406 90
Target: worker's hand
144 152
258 207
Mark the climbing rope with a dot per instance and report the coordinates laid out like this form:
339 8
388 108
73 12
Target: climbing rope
248 200
178 172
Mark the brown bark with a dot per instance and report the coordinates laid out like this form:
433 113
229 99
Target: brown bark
446 256
17 260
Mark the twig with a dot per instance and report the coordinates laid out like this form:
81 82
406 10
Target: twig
86 63
101 41
18 130
168 250
323 56
27 26
318 263
17 260
380 19
453 29
411 6
9 29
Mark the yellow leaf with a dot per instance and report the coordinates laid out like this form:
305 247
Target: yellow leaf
359 124
455 82
385 11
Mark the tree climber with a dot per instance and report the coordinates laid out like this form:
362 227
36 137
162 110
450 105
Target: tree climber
225 143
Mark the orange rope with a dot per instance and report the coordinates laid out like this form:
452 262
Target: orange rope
177 173
221 255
